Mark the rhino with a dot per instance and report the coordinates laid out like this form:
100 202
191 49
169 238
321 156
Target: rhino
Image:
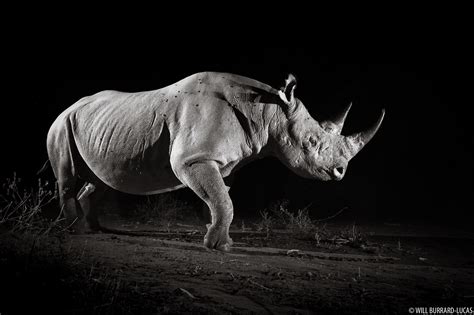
193 133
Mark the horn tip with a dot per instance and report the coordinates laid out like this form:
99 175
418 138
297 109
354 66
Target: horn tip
348 108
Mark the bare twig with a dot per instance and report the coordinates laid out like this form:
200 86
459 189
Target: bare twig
188 293
333 216
259 285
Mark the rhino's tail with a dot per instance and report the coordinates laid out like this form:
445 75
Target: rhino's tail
46 165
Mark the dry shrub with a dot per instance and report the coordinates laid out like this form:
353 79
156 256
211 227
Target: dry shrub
266 223
21 207
278 216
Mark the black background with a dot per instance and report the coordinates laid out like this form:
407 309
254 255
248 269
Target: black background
417 168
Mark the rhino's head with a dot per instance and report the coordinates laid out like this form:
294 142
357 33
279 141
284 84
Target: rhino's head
315 149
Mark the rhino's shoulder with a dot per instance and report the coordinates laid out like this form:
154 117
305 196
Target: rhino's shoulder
235 80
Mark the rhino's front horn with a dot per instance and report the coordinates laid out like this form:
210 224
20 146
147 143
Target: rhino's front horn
357 141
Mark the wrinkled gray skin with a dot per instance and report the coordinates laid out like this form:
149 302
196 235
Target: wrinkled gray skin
192 133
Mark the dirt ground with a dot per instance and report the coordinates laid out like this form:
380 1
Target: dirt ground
150 270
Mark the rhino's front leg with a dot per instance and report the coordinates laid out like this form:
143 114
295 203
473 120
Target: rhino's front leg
206 181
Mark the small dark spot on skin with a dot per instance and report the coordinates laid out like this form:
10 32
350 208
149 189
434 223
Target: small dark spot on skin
176 96
166 100
231 86
164 115
199 91
197 105
179 91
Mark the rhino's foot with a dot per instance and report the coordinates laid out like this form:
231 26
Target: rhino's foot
81 226
84 230
92 229
92 226
218 238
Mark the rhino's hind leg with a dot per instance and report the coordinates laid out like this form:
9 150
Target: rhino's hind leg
87 196
68 203
80 216
206 181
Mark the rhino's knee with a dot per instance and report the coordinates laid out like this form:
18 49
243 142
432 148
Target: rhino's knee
225 207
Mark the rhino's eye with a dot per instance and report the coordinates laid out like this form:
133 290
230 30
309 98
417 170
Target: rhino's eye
306 144
309 142
313 140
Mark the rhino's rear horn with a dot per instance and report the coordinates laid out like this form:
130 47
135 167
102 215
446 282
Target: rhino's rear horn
358 140
336 124
341 118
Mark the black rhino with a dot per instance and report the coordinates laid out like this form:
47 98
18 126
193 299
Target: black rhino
192 133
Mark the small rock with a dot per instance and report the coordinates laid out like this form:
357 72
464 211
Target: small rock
293 252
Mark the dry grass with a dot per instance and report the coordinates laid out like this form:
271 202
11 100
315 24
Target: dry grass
266 223
278 215
21 207
299 223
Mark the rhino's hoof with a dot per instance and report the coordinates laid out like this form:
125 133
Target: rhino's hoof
224 248
218 239
218 246
92 228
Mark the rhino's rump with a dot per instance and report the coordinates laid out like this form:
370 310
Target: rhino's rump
124 140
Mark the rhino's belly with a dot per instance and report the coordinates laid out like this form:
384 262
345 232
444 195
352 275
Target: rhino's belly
141 172
137 181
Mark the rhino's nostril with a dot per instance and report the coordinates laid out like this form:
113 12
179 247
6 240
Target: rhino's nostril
339 171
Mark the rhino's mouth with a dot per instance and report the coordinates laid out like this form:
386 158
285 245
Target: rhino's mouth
327 175
321 174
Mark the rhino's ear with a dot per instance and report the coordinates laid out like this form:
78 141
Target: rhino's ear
287 92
